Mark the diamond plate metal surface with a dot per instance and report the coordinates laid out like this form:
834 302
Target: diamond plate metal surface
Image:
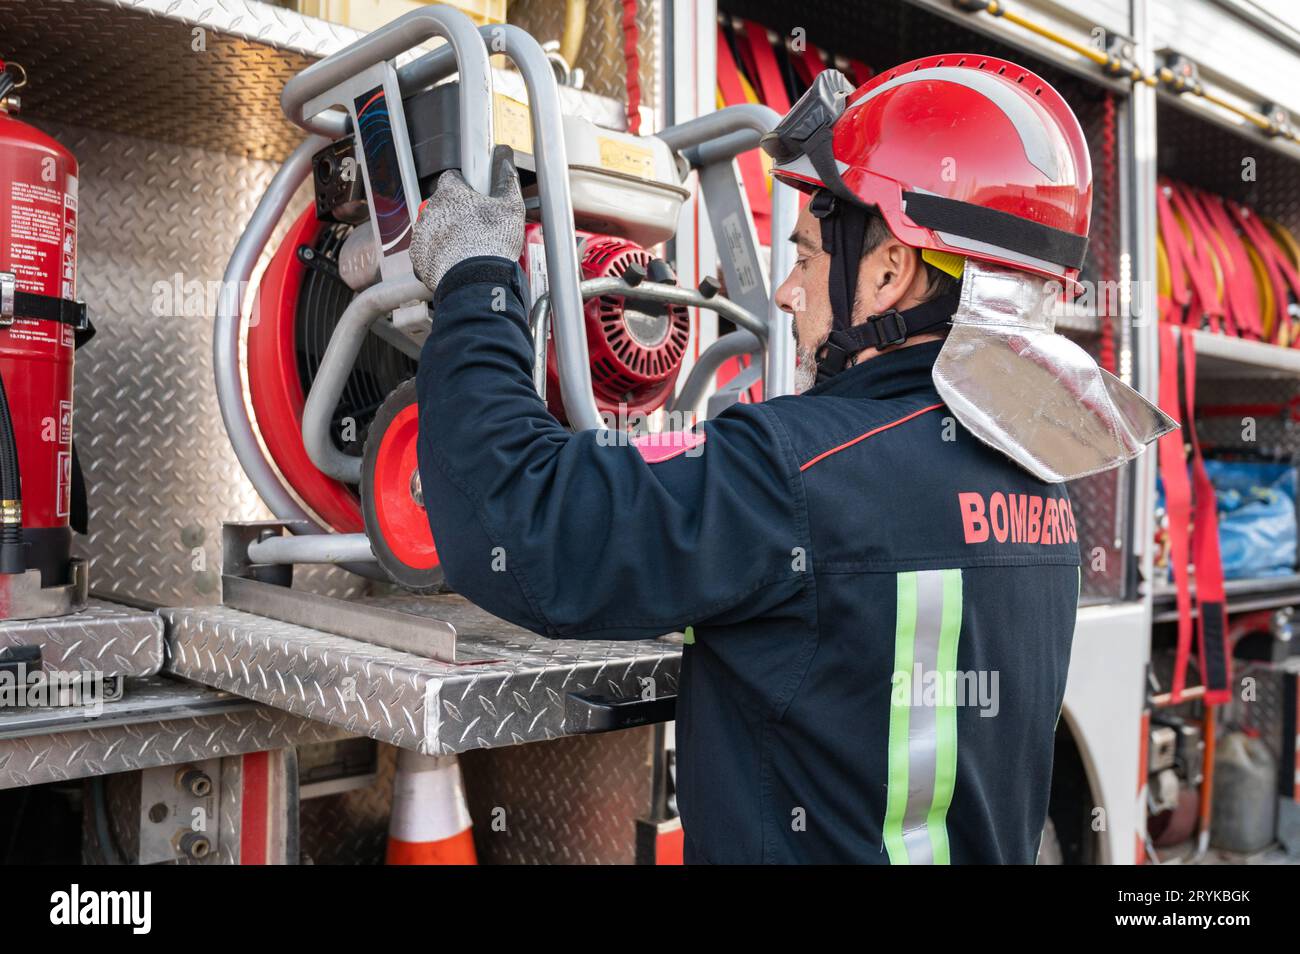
1261 713
1204 155
567 801
203 73
158 223
83 749
406 700
208 73
600 55
350 828
105 637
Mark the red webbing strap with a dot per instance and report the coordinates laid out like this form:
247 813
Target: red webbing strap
1178 499
808 63
751 167
1107 358
1211 602
1276 262
1173 237
767 76
1265 249
1200 269
741 53
861 71
632 59
1203 235
1241 290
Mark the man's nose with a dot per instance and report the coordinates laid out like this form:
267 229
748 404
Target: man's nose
785 295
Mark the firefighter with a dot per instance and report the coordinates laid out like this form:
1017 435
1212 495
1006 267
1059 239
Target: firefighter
877 578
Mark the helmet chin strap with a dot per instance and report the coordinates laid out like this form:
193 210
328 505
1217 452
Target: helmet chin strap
843 228
881 331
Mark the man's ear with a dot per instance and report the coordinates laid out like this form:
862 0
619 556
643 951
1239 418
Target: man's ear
887 273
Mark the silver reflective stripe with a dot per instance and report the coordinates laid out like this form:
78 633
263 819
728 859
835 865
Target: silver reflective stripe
802 166
1034 136
922 744
987 248
922 737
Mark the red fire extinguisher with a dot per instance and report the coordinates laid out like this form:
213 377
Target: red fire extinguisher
39 321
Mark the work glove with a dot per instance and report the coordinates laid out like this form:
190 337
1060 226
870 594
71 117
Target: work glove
456 223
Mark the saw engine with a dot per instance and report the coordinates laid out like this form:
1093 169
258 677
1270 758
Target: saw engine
636 348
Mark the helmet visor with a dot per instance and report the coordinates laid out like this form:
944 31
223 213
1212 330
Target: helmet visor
809 120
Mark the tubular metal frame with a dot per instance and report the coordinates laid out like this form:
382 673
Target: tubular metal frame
710 140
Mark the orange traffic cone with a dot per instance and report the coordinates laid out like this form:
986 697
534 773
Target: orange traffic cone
430 823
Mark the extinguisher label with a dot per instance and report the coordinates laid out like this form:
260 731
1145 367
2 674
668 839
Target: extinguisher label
63 496
42 237
35 228
65 422
69 240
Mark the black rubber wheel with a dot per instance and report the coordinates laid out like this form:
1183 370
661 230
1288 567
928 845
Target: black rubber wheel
396 526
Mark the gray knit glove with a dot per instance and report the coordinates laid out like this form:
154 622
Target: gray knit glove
456 223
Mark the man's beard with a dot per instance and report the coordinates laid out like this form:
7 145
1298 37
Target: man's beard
805 369
805 365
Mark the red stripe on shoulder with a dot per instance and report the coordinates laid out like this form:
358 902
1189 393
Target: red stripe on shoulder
862 437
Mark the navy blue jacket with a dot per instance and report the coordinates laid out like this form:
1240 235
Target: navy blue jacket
882 607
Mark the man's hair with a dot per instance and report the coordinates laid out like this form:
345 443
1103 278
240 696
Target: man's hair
938 282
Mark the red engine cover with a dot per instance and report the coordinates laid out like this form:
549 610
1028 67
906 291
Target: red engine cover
636 350
38 244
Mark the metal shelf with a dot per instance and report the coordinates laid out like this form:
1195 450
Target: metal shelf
1207 112
141 701
518 692
105 638
1243 596
1222 356
156 721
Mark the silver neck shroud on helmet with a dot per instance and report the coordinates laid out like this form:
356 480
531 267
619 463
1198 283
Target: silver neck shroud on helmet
1031 393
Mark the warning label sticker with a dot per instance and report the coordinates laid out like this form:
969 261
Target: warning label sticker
42 226
63 503
69 262
538 284
626 157
747 273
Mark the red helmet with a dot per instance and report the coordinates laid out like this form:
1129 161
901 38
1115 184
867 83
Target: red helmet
961 153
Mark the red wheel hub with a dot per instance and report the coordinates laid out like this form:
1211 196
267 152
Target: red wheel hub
402 518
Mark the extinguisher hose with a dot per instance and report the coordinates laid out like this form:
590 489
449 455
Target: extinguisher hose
12 554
